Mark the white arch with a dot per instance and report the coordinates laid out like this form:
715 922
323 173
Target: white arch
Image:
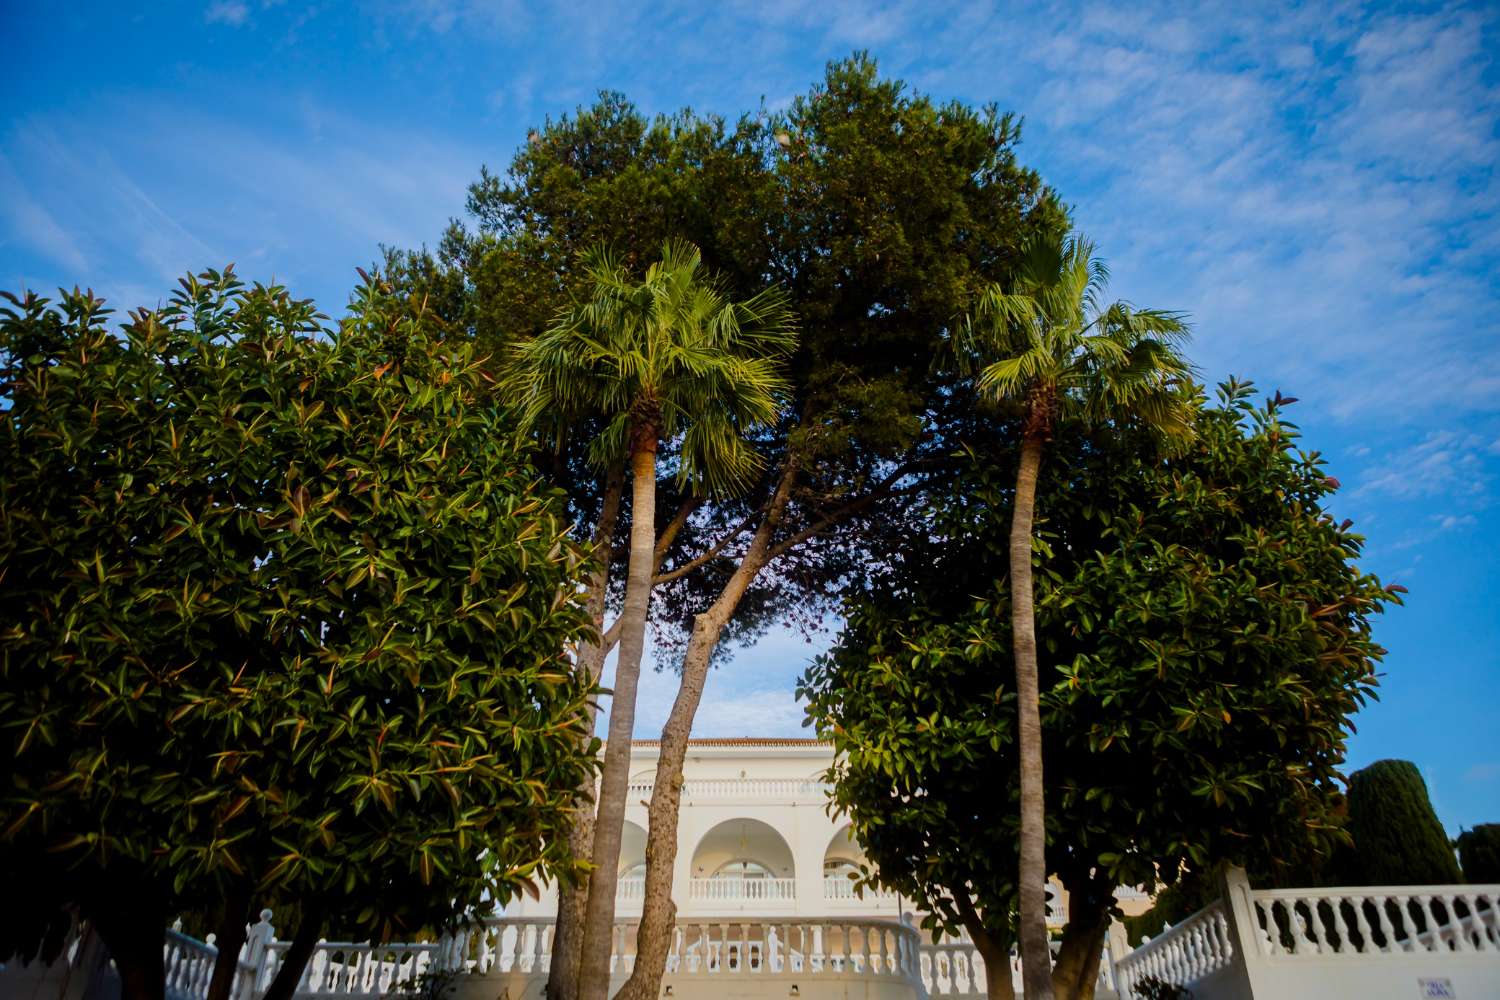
632 848
743 839
843 847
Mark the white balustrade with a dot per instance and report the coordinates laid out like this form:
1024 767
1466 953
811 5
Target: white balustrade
507 948
740 788
502 945
740 890
189 965
630 890
1199 945
348 969
1377 920
954 967
848 949
843 887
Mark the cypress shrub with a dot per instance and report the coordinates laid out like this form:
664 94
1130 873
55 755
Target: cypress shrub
1479 853
1397 837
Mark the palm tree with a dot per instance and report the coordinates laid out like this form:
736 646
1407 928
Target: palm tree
1052 347
668 359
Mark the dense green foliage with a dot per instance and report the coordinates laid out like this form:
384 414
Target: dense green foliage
1050 345
1398 839
1479 853
1050 341
879 211
1205 637
663 359
285 611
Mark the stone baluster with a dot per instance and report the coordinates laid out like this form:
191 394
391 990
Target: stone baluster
1340 925
1387 931
497 953
1361 925
1438 929
533 947
1478 919
1409 923
1454 903
1300 944
257 941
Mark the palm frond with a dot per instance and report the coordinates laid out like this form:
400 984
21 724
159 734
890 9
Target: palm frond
669 343
1053 332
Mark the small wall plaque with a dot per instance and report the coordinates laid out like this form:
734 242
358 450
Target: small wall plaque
1436 989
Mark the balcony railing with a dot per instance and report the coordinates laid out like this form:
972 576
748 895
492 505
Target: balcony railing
740 788
842 887
630 890
738 890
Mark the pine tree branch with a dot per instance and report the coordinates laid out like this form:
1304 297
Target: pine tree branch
884 491
677 572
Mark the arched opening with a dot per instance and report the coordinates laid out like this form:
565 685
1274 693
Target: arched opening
631 885
841 862
743 859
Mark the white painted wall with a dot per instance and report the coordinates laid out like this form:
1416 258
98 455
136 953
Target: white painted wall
772 782
1354 943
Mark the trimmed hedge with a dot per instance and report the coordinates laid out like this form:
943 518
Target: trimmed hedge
1479 853
1398 839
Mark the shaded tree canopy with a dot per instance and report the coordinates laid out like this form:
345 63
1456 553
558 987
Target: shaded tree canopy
285 610
1205 637
879 211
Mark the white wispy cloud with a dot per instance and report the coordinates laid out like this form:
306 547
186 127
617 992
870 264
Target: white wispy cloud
1315 186
1442 463
749 696
30 223
230 12
280 202
1484 772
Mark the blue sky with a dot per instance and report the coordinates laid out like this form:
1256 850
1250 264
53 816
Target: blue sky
1315 186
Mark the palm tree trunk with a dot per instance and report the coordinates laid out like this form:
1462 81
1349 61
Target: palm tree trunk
573 900
658 912
593 970
1036 958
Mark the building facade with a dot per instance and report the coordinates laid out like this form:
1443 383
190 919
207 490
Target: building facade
755 837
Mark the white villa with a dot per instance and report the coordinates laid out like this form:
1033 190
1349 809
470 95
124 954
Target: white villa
762 866
755 837
766 909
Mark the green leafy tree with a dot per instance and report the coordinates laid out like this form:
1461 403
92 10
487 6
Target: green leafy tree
1398 839
286 617
604 176
1479 853
1052 346
1205 635
667 358
882 213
